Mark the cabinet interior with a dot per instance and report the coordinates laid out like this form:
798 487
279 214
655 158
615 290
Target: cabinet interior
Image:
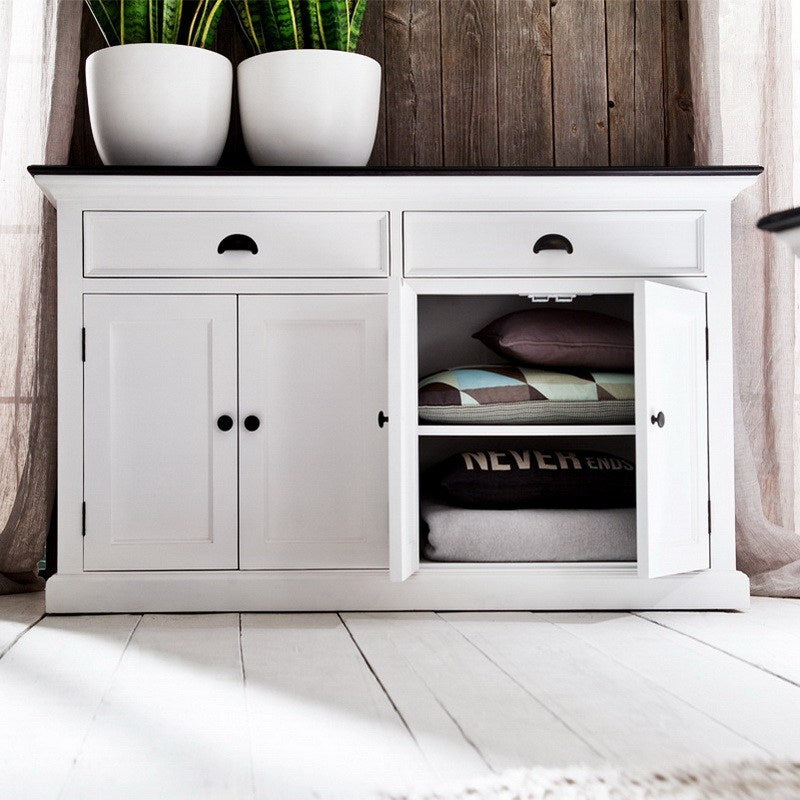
445 328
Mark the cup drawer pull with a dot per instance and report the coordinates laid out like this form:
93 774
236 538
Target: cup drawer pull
552 241
237 241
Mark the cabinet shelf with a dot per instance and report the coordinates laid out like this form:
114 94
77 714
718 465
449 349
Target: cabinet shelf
526 430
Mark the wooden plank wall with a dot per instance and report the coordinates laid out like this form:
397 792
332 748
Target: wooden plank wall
509 83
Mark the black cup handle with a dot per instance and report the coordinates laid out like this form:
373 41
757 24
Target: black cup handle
237 241
552 241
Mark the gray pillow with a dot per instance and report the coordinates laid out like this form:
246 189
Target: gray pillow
561 337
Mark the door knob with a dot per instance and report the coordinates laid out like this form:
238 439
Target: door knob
382 419
252 422
225 422
658 419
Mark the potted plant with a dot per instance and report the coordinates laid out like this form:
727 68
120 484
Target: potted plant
306 98
153 100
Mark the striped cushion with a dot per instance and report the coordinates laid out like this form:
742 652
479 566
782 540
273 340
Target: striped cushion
506 393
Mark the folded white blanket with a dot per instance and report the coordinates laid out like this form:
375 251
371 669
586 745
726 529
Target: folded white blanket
528 534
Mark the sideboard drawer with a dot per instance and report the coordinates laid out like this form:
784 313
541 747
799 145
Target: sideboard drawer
290 244
552 243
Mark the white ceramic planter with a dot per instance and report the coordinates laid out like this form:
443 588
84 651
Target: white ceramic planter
159 104
309 107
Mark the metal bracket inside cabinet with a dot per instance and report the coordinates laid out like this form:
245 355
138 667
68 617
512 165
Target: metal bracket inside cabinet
558 298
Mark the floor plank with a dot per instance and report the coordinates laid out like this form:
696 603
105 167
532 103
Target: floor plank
758 706
171 724
767 636
51 684
446 748
626 718
505 724
18 612
320 723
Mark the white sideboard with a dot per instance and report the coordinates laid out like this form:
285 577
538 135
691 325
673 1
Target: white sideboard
238 359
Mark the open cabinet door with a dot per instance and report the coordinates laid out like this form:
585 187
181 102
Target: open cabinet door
403 442
671 430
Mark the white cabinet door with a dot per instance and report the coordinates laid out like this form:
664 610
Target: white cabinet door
313 473
159 474
671 430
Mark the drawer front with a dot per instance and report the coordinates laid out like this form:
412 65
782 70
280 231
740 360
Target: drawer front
291 244
502 243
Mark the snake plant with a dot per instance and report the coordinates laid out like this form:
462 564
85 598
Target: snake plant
297 24
134 21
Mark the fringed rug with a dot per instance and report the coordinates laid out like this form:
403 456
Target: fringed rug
761 780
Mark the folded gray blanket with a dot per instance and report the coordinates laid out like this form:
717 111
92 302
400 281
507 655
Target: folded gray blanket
528 534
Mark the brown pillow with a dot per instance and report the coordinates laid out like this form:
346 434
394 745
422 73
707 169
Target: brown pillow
561 337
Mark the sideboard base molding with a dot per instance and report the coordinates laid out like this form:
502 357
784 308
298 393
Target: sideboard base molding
452 588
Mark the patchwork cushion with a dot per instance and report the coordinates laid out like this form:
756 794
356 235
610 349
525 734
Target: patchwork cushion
561 337
533 478
505 393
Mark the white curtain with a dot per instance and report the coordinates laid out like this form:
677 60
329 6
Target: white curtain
39 54
741 59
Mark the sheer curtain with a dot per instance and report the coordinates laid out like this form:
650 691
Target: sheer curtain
39 52
741 55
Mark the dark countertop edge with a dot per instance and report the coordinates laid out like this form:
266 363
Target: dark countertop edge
780 220
215 172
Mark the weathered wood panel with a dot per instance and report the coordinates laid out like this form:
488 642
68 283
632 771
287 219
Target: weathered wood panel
649 111
508 82
372 44
580 97
524 82
469 83
679 114
620 27
413 82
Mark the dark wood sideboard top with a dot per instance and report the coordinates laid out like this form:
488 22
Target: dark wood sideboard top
531 172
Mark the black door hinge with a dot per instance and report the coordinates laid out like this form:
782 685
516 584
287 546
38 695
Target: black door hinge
83 519
709 517
706 344
83 344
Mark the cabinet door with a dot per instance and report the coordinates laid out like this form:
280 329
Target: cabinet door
313 474
160 475
671 430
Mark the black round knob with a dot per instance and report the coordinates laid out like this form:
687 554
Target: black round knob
252 422
225 423
658 419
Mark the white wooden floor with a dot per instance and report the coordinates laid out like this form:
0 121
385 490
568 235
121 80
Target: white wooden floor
327 706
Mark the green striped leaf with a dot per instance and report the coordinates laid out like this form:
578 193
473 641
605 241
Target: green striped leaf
154 16
171 21
288 20
134 22
335 23
354 28
269 22
197 17
257 31
207 27
312 24
106 15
